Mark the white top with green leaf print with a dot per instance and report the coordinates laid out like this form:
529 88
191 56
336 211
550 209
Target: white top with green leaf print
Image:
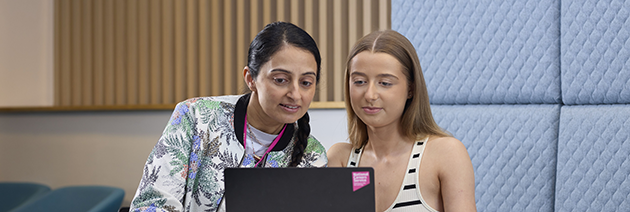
184 172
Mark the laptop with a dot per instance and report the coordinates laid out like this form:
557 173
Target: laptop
299 189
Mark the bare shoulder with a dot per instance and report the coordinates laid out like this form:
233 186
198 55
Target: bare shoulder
449 152
455 172
447 146
338 154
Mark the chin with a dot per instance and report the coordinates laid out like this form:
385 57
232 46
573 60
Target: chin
372 122
294 118
287 119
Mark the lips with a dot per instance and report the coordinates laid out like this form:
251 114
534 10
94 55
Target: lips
290 108
371 110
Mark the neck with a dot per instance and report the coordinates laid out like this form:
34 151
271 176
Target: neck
259 120
386 142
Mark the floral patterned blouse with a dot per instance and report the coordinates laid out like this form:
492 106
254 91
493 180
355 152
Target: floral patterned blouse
184 172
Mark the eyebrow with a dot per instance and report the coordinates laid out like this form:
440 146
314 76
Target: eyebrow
357 73
288 72
387 75
380 75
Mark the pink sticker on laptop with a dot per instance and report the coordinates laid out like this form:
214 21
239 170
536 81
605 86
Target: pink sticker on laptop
359 180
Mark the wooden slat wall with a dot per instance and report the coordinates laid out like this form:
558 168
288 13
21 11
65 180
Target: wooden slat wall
160 52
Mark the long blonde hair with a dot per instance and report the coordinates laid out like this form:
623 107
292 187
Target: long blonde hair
417 113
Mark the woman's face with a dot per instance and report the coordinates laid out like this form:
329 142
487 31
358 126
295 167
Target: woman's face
378 89
285 86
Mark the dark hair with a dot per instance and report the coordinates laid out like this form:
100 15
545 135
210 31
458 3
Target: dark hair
266 43
272 38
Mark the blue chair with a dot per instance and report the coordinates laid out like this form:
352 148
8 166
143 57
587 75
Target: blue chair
13 194
78 198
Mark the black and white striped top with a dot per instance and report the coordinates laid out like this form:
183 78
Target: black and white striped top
409 197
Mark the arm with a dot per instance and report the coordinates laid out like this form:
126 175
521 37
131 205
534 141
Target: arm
457 179
314 154
163 182
338 154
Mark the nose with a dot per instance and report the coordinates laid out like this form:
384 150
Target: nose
294 91
371 94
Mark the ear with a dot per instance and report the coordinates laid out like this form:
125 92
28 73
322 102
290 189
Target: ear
410 92
249 79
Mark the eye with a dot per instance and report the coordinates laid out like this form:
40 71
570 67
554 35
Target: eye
359 82
306 83
386 84
280 80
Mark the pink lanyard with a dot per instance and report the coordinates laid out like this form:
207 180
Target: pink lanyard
275 141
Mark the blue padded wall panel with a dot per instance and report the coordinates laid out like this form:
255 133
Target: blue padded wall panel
593 163
595 51
513 151
485 52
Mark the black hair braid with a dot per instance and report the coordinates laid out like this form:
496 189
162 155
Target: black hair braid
304 130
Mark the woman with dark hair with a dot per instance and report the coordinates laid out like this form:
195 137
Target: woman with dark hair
205 135
391 129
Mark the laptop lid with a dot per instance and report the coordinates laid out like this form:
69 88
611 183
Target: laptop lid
299 189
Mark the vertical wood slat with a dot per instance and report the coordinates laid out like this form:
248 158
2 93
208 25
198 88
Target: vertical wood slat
192 44
310 19
255 19
355 28
323 47
384 14
367 16
156 51
109 68
283 13
57 53
132 52
242 37
65 60
297 12
204 48
268 11
76 52
255 23
99 98
120 52
229 47
340 27
180 51
216 49
167 51
86 54
144 52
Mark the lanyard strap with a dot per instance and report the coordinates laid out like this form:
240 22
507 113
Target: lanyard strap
275 141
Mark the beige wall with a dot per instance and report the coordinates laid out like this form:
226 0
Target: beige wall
26 53
78 148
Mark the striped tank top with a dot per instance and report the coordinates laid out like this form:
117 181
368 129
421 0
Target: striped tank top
409 197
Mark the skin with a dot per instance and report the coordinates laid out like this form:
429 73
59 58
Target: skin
378 91
283 89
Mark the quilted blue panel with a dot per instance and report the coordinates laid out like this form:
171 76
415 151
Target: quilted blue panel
513 151
595 51
593 164
485 52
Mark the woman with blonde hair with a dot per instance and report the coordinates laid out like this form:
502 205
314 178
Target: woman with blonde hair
418 166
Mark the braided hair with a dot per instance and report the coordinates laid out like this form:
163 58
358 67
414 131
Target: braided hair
304 130
266 43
